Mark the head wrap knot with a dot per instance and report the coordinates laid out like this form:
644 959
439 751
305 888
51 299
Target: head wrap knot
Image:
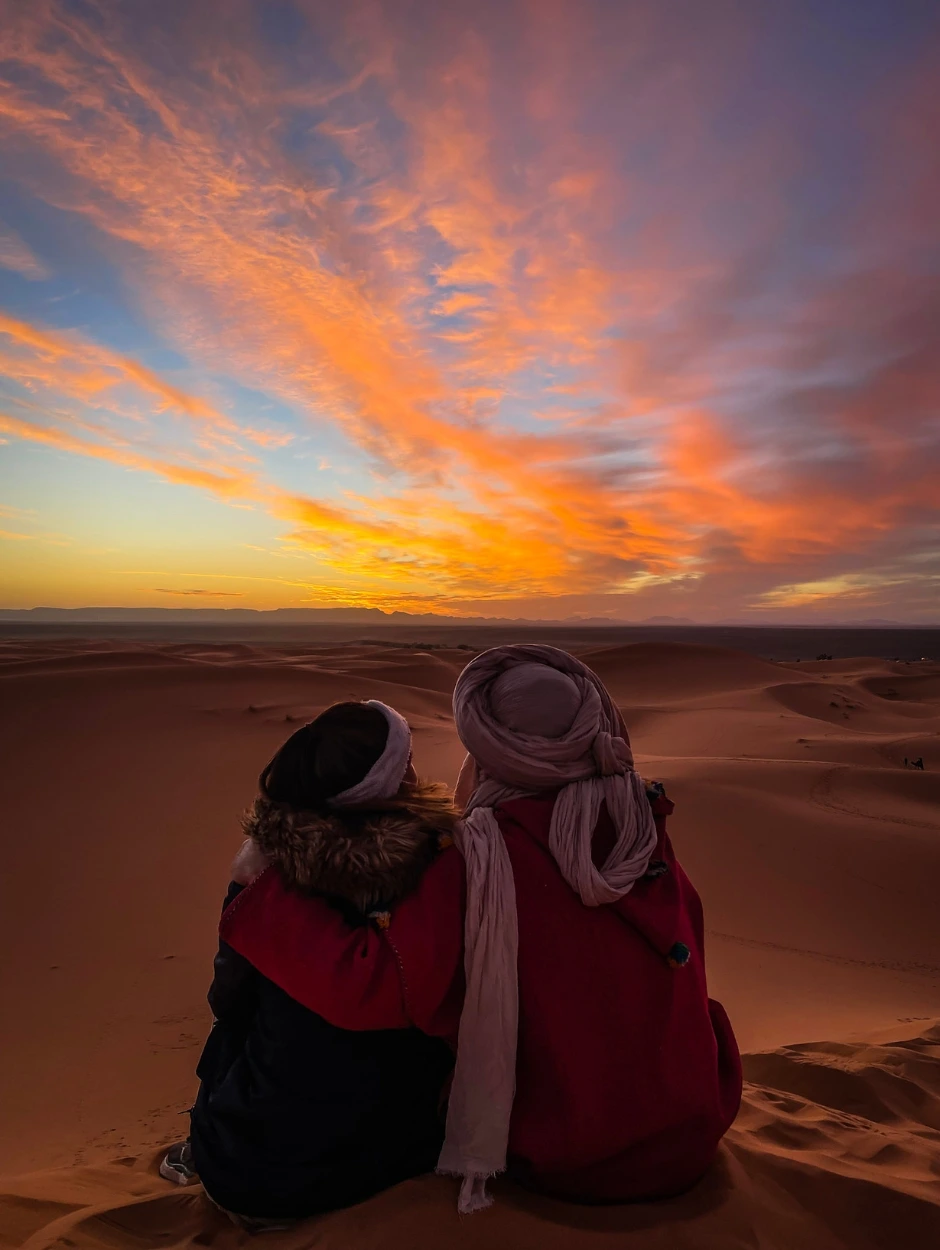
611 754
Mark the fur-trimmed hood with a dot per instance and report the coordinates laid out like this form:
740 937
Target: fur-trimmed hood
371 859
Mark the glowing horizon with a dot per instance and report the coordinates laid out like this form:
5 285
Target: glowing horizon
534 308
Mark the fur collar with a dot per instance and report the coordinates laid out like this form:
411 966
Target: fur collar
369 859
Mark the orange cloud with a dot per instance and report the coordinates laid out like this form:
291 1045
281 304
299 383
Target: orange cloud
227 483
65 363
770 516
543 372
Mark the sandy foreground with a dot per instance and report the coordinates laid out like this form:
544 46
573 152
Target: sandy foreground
125 767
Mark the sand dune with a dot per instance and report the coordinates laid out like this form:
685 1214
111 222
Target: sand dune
668 673
837 1145
125 768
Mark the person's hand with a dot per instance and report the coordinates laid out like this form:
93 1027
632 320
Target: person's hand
249 863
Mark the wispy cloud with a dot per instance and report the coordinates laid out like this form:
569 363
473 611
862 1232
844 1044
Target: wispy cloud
208 594
67 364
226 482
16 255
54 540
582 327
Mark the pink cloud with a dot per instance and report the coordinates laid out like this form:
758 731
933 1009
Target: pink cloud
541 269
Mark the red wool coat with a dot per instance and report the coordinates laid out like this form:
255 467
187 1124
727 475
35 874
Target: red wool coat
628 1075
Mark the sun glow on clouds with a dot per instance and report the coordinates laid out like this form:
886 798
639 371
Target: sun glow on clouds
581 307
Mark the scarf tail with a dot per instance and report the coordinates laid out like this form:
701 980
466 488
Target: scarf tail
474 1195
484 1083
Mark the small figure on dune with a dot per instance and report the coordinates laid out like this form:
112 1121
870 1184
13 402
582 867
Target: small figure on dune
558 951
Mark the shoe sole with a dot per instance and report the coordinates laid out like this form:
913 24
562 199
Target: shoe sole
170 1173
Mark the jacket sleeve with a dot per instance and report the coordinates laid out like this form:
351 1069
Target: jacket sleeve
426 932
233 992
357 977
345 973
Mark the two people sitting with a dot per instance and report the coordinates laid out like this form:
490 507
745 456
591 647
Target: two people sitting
509 981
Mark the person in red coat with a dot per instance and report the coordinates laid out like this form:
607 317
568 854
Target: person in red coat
559 949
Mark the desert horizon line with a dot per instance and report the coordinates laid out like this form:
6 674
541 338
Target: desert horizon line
352 614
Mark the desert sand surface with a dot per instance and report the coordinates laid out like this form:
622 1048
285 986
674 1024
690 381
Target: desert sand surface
126 765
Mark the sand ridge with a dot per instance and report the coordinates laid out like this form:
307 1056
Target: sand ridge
126 766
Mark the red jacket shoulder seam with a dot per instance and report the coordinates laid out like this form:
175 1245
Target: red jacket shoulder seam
240 896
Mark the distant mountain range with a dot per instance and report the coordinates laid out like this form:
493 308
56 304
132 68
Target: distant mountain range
376 616
339 616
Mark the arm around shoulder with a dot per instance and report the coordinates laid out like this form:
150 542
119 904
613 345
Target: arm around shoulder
346 973
405 971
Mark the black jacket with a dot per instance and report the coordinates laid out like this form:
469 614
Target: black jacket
295 1116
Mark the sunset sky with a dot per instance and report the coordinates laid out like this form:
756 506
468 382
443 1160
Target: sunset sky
621 307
